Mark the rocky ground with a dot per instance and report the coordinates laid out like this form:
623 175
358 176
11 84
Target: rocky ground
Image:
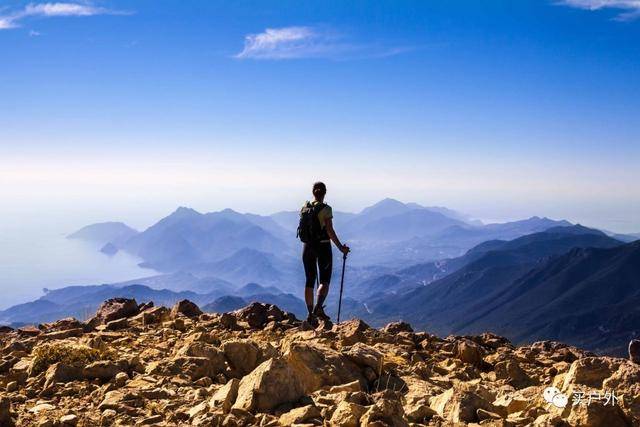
144 365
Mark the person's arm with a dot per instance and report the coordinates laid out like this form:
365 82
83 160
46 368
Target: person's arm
334 238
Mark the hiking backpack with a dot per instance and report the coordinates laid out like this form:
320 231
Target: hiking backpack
309 228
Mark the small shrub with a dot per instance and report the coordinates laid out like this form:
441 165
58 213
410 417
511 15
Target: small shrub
67 353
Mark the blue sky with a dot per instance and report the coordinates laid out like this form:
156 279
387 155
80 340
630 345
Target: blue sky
503 109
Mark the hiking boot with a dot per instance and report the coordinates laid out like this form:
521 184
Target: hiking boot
320 314
312 320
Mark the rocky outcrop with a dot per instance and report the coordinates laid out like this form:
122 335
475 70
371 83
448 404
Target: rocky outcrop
137 365
114 309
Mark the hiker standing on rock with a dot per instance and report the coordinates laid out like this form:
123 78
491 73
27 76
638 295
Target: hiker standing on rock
316 232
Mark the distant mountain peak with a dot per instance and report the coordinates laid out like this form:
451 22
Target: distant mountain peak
385 207
183 210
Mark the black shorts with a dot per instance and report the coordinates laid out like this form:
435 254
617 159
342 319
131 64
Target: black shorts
317 255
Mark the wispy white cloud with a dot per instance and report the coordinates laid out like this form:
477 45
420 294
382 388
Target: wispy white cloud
308 42
629 9
12 19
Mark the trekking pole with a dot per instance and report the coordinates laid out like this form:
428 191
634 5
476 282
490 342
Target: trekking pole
344 260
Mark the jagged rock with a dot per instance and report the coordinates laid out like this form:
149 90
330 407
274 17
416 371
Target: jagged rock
319 366
225 396
365 355
118 400
69 420
257 367
634 351
4 329
120 379
254 314
242 355
202 349
185 308
387 410
627 377
194 367
590 372
116 325
146 306
228 321
352 331
511 371
60 335
597 414
299 415
416 399
62 325
347 414
6 417
61 373
397 327
461 402
469 352
29 331
272 383
103 370
113 309
155 315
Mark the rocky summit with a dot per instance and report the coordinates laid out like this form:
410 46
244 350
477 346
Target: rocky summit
140 365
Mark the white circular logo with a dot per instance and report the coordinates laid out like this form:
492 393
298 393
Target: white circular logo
552 395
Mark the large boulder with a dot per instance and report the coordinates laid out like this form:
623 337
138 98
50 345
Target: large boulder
347 414
61 373
512 372
387 411
257 314
598 414
185 308
319 366
242 355
114 309
460 403
155 315
365 355
271 384
352 331
590 372
203 349
469 352
225 396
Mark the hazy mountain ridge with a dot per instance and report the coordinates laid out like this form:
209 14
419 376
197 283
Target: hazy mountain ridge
388 233
481 293
104 233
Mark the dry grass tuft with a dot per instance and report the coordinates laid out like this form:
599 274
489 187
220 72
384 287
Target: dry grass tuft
67 353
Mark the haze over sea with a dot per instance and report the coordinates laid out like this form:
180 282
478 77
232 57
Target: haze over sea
35 254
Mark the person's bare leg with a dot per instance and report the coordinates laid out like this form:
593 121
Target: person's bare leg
323 291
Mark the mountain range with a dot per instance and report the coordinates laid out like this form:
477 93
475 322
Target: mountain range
542 284
439 269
